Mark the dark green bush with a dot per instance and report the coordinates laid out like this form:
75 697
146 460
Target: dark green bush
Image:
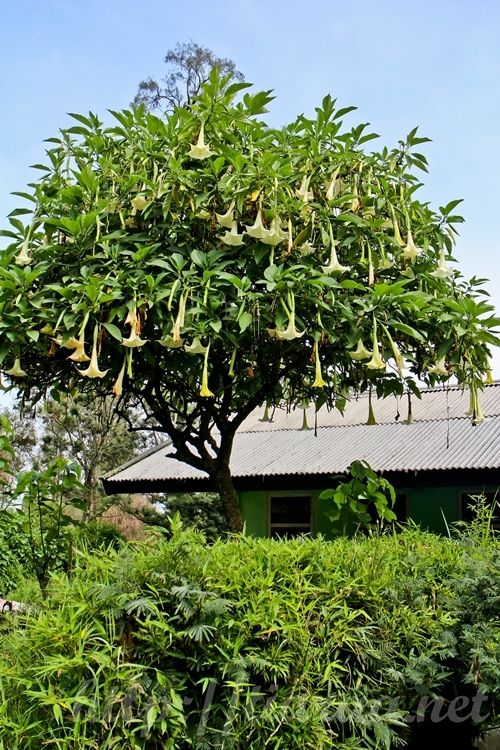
96 534
16 560
251 643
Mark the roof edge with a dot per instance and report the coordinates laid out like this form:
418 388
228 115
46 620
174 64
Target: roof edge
136 459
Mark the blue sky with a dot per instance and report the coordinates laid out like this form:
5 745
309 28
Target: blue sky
432 64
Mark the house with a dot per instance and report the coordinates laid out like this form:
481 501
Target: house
436 460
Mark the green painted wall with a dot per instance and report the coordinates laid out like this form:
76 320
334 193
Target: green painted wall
253 506
426 506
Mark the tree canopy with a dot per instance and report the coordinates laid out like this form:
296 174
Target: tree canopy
188 68
204 263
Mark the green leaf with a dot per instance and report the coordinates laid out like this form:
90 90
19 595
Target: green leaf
404 328
245 319
151 717
81 118
198 257
445 210
113 330
349 218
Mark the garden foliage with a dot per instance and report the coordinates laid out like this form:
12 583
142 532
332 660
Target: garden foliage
255 643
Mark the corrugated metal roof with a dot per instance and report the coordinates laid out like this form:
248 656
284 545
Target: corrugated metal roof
436 403
441 437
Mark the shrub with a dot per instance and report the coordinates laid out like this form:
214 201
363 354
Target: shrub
15 551
96 534
250 643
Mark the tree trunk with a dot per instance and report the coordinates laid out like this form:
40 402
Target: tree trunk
224 484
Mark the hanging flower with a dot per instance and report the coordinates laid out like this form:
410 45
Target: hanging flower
478 415
334 265
475 410
79 353
410 250
305 425
232 237
195 347
303 192
139 203
290 332
24 258
78 344
306 248
134 340
318 381
200 150
93 370
398 357
226 220
290 236
257 230
275 234
439 369
205 391
179 321
70 343
371 414
397 234
442 271
360 352
376 362
117 389
265 417
171 343
371 274
355 202
16 371
332 187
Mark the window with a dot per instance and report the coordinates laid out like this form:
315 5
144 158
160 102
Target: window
289 516
468 500
400 508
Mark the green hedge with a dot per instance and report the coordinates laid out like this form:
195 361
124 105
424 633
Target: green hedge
255 643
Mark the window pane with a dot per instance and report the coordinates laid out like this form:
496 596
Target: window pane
288 510
400 508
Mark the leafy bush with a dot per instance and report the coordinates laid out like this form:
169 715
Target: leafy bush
15 551
201 511
97 534
250 643
361 500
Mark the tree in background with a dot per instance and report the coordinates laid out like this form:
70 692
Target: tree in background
89 432
23 437
203 264
202 511
188 68
80 429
